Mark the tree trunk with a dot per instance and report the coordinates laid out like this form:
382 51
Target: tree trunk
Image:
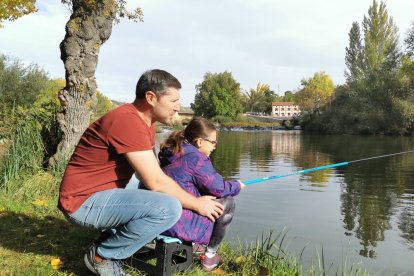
89 26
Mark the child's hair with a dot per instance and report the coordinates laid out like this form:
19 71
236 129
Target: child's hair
198 127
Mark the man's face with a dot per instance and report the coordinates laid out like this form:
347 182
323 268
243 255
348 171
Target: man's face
167 106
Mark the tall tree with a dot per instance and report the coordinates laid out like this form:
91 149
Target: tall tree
380 38
379 50
89 26
11 10
265 105
373 61
409 41
255 96
288 96
316 93
218 94
354 55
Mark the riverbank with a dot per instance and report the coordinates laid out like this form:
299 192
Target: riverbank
240 123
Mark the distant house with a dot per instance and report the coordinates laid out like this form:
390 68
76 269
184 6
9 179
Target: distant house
285 109
185 114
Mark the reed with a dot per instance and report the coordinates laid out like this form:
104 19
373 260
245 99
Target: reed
23 156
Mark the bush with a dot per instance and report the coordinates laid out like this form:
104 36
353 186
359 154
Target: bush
19 84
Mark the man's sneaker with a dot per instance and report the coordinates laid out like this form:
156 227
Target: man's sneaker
209 264
105 267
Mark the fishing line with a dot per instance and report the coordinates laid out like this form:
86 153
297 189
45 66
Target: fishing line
257 180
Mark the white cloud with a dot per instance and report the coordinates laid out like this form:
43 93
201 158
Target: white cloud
269 41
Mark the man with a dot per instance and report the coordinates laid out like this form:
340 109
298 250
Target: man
118 144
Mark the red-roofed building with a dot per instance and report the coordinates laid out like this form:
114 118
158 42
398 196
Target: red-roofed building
285 109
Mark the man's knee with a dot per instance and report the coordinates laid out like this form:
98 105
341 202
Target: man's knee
173 209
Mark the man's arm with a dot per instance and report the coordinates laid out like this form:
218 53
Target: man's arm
146 166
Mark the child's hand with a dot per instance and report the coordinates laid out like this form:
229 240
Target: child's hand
242 186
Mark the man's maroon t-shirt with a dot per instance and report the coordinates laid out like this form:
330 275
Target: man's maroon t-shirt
98 162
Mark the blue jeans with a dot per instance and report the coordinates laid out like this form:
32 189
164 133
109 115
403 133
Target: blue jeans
136 217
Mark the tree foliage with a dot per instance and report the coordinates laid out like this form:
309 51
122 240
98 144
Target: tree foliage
409 41
20 84
104 104
370 57
354 55
120 9
254 97
265 105
380 40
218 95
11 10
378 96
316 93
288 96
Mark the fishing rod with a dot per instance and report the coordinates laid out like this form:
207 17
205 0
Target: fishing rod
257 180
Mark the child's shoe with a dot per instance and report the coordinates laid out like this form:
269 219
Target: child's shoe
209 264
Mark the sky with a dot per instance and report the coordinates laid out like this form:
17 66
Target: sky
276 42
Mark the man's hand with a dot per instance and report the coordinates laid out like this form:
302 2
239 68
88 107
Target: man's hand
210 208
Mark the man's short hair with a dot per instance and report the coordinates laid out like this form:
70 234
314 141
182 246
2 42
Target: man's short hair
157 81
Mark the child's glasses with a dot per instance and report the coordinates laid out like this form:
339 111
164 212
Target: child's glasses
213 142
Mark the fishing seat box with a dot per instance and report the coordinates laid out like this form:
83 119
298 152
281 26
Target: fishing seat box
171 255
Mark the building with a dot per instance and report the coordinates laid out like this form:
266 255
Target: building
285 109
184 115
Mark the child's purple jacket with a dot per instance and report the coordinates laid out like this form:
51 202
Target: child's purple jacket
195 173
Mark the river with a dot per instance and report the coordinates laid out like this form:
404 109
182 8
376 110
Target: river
360 214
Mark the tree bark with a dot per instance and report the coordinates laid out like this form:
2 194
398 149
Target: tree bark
89 26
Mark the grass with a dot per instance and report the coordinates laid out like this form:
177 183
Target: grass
23 155
34 233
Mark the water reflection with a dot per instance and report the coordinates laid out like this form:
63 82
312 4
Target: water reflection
376 196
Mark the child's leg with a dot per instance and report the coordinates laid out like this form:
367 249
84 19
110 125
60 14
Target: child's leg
221 224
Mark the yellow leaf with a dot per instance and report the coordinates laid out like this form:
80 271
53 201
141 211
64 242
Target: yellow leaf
218 271
240 259
56 262
40 202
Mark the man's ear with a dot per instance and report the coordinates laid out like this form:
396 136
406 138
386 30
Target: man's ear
151 97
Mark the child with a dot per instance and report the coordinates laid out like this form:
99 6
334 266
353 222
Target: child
185 157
